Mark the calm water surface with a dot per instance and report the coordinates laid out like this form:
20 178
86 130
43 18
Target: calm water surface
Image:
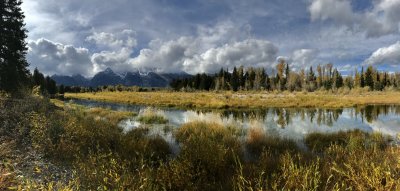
292 123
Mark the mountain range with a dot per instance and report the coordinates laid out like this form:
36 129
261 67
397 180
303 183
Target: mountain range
109 77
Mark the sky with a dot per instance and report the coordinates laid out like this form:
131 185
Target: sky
195 36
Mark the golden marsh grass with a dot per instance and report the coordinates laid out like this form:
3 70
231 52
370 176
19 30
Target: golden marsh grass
219 100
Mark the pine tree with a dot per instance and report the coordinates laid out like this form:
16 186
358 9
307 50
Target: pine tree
51 86
39 80
241 77
13 65
362 80
311 75
61 89
369 81
287 72
311 80
234 80
337 79
377 83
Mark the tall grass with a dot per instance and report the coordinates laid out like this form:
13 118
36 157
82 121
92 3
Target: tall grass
152 116
260 99
99 156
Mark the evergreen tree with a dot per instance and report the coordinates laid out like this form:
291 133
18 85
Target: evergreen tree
311 75
51 86
377 83
267 82
337 79
348 81
61 89
362 80
369 81
13 65
251 78
385 80
241 77
234 80
39 80
196 83
311 80
287 72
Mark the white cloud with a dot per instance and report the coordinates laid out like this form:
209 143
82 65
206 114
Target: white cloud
224 45
55 58
385 55
117 60
126 38
382 19
211 49
338 10
184 54
251 52
304 57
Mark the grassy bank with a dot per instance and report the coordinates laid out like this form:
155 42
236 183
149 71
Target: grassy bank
80 151
221 100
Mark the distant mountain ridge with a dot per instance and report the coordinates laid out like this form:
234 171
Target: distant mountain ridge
109 77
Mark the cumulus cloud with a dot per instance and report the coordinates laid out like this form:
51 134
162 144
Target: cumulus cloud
223 45
116 50
184 54
382 19
117 60
55 58
252 52
338 10
304 57
385 55
208 51
126 38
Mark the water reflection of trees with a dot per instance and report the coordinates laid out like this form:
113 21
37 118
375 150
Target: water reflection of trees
372 112
284 116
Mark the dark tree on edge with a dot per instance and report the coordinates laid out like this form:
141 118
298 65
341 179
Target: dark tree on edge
14 73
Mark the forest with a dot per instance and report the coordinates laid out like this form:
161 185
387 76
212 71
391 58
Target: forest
325 77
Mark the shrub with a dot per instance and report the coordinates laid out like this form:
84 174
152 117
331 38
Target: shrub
257 141
355 139
208 151
137 143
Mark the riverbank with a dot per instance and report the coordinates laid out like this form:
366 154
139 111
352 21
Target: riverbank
248 100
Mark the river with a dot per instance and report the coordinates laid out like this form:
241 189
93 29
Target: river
292 123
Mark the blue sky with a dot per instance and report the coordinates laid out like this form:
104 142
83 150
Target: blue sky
87 36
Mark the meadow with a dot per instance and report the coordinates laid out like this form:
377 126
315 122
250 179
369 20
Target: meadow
55 146
249 100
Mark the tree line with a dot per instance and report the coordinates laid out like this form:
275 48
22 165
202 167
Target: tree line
324 77
108 88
